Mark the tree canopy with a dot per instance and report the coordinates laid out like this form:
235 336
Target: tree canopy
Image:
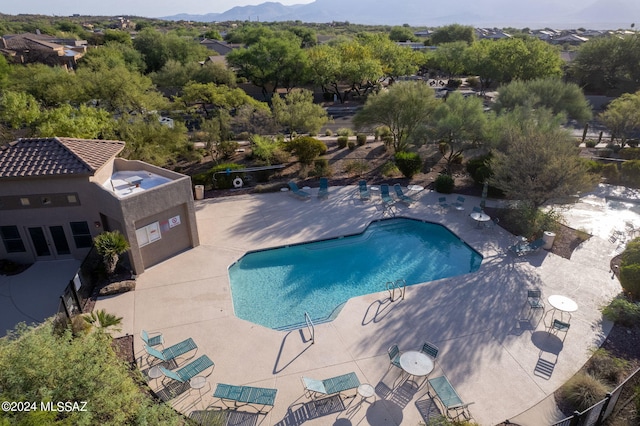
454 32
297 112
622 117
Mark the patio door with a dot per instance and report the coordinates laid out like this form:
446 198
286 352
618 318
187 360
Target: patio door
48 243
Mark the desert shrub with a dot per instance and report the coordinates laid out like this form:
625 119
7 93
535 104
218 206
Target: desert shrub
473 82
604 152
582 234
223 180
454 83
531 222
443 148
243 136
614 147
606 367
633 143
328 132
381 131
356 167
306 148
593 166
631 172
582 391
444 184
630 153
264 148
389 169
409 163
342 141
361 138
630 269
590 143
351 145
479 168
344 131
226 149
388 141
321 167
611 172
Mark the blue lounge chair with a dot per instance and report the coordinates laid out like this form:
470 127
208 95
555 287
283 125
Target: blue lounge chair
447 395
443 203
151 341
364 191
332 386
384 194
524 249
246 395
189 371
401 196
459 203
298 192
323 192
172 352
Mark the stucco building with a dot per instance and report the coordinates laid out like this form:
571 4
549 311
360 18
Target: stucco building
56 194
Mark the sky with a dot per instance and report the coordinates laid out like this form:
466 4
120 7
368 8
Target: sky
146 8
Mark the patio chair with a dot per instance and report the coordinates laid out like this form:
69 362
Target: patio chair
155 340
443 203
298 192
394 356
459 203
557 326
430 349
384 194
444 392
332 386
189 371
534 299
401 196
323 192
364 191
492 223
246 395
173 352
524 249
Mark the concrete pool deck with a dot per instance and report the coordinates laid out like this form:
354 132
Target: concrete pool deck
492 351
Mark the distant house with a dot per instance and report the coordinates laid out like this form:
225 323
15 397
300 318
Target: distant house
423 33
39 48
572 39
219 46
412 45
57 194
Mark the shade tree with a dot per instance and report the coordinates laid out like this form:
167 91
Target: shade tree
622 117
297 113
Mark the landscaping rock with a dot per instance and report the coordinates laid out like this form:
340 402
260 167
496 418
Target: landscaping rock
118 287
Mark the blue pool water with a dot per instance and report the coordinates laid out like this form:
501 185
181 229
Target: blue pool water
276 287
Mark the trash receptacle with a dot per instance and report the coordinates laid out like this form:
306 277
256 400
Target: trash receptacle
199 192
548 238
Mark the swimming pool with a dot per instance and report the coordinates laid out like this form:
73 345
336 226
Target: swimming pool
275 287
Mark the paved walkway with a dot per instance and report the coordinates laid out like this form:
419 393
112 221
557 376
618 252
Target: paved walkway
490 346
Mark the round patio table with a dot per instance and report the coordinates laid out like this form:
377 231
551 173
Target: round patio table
480 217
562 304
416 363
416 188
154 372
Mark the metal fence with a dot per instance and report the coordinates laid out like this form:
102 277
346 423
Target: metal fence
80 288
599 412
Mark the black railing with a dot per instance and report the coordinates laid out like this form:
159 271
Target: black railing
80 288
601 411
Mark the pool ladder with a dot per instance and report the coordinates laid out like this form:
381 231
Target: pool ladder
312 330
399 285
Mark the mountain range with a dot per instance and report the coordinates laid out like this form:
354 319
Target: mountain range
593 14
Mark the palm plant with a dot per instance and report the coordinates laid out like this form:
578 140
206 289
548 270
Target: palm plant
110 245
103 321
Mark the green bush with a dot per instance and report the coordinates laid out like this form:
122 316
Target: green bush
604 152
389 169
582 391
264 149
444 184
630 279
342 141
622 311
611 172
604 366
443 148
614 147
361 138
306 148
631 172
344 131
409 163
321 167
381 131
630 153
388 141
593 166
328 132
351 145
473 82
479 168
532 222
223 180
356 167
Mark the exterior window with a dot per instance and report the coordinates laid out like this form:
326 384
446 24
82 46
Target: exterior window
72 199
11 239
81 234
25 201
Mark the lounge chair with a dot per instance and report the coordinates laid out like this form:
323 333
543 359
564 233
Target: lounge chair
172 352
364 191
246 395
394 356
401 196
444 392
459 203
524 249
323 192
442 201
384 194
151 341
189 371
298 192
332 386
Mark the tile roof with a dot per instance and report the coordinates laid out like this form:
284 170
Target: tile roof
56 156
